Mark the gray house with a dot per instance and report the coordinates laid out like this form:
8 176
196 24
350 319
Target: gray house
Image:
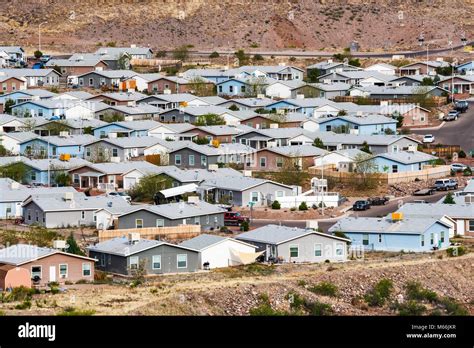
207 215
241 190
118 149
106 78
194 156
124 255
292 244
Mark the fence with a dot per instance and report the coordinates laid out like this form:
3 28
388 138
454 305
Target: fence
171 232
434 100
330 199
155 62
441 150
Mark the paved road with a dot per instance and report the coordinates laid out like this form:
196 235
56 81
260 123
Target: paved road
375 211
460 132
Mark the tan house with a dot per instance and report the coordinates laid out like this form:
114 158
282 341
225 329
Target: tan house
45 265
77 66
174 85
262 121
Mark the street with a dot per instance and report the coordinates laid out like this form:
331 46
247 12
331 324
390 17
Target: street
460 132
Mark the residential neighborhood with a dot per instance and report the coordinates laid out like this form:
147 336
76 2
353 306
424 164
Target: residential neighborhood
172 178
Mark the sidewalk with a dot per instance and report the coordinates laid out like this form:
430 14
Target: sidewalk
429 128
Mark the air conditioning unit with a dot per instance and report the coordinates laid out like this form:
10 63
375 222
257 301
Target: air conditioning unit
63 276
193 199
167 91
248 173
133 237
213 167
63 134
115 159
59 244
273 125
68 196
260 96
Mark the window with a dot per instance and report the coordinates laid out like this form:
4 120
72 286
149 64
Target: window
33 176
279 162
37 216
86 269
294 251
279 194
318 250
231 89
471 225
28 214
36 271
191 160
114 152
254 196
442 237
91 82
197 220
138 223
75 177
328 128
203 161
231 196
220 89
207 219
263 162
422 240
88 152
431 238
134 260
182 261
83 215
365 239
63 271
394 168
160 222
177 160
339 249
156 262
242 89
81 81
380 238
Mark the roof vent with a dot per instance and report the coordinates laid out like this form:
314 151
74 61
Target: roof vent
109 204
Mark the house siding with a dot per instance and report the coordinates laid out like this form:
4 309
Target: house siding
185 153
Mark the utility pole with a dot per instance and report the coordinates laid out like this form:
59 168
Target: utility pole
39 35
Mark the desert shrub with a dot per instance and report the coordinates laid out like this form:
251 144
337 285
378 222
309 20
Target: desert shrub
26 304
265 308
416 292
276 205
456 251
296 301
71 311
303 206
411 308
377 296
20 293
452 307
325 289
318 308
244 226
462 154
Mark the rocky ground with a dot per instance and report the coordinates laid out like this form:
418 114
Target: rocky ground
237 291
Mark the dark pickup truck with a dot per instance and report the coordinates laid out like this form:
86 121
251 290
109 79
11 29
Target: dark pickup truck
378 200
361 205
234 218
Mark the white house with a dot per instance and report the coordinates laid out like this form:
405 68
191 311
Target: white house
341 159
170 131
383 68
10 123
282 89
217 252
83 110
11 141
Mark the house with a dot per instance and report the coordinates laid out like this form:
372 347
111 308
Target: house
241 190
330 66
277 72
423 68
12 83
283 88
283 158
321 90
465 68
191 114
78 65
74 95
461 214
176 84
16 55
106 218
401 161
171 131
127 112
278 120
460 84
14 194
405 92
114 62
191 155
357 78
262 138
117 149
9 123
125 128
213 75
34 77
222 134
243 87
315 107
133 51
46 265
383 68
118 98
173 101
342 160
217 251
65 210
420 234
195 212
73 126
11 141
296 245
126 255
109 79
27 94
47 108
362 124
247 104
55 146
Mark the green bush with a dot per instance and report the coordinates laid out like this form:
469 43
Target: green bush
467 171
276 205
214 55
416 292
456 251
303 206
318 308
452 307
462 154
265 308
26 304
296 301
325 289
411 308
71 311
379 293
244 226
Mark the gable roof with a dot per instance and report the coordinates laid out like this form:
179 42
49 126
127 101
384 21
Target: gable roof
297 150
237 183
204 241
407 157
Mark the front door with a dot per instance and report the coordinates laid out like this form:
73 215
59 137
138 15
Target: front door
52 273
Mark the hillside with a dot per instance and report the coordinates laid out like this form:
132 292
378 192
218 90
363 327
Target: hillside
310 25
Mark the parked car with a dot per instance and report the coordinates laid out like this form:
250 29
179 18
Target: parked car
232 218
361 205
120 194
451 116
378 200
446 184
461 105
429 138
424 192
458 167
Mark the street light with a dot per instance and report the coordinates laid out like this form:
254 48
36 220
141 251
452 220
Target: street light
39 35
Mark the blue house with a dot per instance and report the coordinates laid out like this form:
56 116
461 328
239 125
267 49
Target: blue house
462 68
49 109
242 87
54 146
25 95
362 125
402 161
305 106
127 129
419 234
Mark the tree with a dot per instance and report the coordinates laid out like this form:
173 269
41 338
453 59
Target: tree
291 173
234 107
258 57
303 206
38 54
319 143
160 54
214 55
181 52
3 151
200 87
123 62
365 147
14 171
399 119
113 117
62 179
97 154
73 248
201 140
365 175
276 205
148 186
7 107
55 127
210 120
313 75
445 70
342 113
427 81
421 97
389 131
242 57
256 86
449 199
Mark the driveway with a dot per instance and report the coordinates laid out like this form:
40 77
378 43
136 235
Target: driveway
460 132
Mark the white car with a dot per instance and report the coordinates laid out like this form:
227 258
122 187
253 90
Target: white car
428 138
458 167
120 194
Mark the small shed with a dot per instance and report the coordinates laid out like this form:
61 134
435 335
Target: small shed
13 277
